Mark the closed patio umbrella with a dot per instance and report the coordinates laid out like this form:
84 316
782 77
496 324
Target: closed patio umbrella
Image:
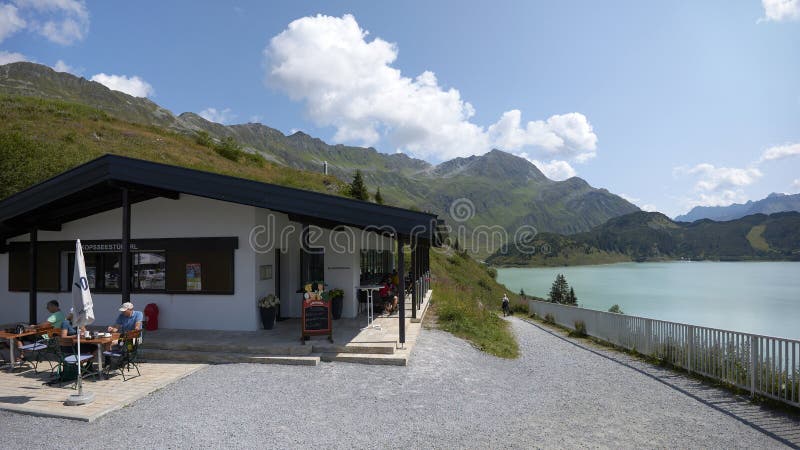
83 314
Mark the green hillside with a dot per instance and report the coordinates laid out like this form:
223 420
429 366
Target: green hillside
647 236
506 190
42 138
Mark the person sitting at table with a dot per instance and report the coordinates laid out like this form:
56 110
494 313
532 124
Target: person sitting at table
390 306
385 291
128 319
68 329
54 320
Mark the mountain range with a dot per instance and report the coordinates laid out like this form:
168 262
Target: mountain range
647 236
773 203
503 189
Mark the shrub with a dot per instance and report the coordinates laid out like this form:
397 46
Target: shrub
519 308
254 159
580 329
548 318
492 272
228 148
204 139
615 309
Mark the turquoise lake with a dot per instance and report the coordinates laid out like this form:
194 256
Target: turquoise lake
753 297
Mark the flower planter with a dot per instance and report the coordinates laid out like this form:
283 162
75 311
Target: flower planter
336 307
268 318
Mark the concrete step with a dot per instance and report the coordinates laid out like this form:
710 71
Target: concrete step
226 357
239 348
369 359
369 349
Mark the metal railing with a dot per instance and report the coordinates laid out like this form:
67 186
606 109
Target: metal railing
764 365
421 286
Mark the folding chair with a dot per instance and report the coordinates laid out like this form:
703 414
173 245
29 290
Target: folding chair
124 356
69 360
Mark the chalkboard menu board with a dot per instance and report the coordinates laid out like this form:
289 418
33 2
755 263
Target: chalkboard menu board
316 319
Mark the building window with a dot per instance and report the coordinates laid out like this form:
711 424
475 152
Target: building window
312 265
149 271
162 270
375 264
106 264
147 274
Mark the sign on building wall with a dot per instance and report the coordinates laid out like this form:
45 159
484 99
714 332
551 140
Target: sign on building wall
194 280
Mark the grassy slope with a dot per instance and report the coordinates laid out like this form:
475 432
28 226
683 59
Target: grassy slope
467 301
42 138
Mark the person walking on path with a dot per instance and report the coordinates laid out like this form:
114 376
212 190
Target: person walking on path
506 309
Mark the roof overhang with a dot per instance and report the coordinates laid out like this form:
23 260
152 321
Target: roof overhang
96 186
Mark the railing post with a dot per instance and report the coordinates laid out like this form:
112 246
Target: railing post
690 347
753 351
648 331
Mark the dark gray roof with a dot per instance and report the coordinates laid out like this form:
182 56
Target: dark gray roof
95 187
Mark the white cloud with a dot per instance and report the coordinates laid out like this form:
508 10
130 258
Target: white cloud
637 201
796 183
569 135
61 21
134 85
223 116
349 83
61 66
721 198
712 178
555 169
11 57
780 152
718 186
780 10
257 118
10 21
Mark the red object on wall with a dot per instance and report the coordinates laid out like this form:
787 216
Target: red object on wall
151 314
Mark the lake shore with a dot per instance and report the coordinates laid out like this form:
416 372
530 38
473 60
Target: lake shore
760 297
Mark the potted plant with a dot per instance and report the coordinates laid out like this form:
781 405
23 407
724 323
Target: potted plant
268 305
336 297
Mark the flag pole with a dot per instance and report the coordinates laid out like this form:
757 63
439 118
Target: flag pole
80 379
82 315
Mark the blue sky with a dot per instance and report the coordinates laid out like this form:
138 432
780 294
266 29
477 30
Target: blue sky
672 104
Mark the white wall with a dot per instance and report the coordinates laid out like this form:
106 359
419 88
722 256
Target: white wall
192 216
189 216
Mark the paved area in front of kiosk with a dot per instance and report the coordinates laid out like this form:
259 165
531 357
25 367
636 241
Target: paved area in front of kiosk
25 391
352 342
170 355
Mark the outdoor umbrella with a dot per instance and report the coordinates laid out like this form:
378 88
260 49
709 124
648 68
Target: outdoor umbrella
83 314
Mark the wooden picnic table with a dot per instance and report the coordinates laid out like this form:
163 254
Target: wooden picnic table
12 337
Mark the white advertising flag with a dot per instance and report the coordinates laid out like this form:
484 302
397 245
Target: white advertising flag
83 309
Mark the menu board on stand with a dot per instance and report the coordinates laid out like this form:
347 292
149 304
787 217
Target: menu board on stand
316 319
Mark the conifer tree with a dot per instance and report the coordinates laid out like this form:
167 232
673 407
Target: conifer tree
559 292
378 196
358 190
571 299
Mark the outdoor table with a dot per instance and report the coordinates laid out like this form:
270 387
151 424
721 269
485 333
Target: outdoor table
370 288
100 341
11 347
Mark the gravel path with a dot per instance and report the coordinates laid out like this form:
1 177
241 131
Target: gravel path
450 395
